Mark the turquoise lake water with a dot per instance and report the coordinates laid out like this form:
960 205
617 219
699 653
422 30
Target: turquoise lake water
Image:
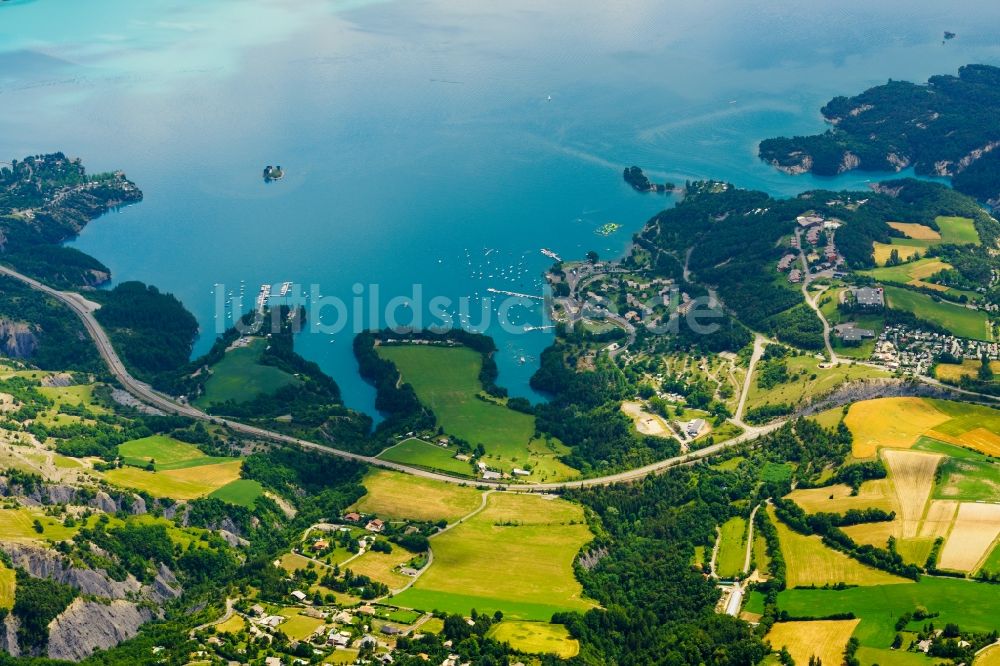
419 139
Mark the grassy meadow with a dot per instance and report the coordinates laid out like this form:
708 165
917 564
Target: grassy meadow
808 380
446 379
241 377
515 556
403 496
959 320
536 638
419 453
732 548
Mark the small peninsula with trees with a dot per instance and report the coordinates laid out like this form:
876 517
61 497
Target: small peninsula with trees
946 127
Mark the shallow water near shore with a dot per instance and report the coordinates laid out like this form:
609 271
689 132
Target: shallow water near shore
439 143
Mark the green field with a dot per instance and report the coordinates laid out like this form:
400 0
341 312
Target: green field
754 602
515 556
419 453
7 582
242 492
968 479
959 320
808 380
404 496
732 548
536 638
298 627
908 272
240 376
973 606
991 564
446 379
166 452
181 484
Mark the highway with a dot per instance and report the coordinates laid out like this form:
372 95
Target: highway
142 391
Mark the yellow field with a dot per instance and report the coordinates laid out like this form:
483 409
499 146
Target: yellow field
7 583
912 476
233 625
890 422
536 638
379 566
17 525
877 494
915 230
809 562
988 657
404 496
292 562
181 484
979 439
952 372
976 528
883 251
645 422
826 639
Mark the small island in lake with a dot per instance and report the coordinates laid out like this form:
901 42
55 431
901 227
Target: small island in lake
637 179
273 173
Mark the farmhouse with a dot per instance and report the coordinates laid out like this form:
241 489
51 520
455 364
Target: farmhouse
490 475
375 525
694 427
321 544
299 594
339 638
520 472
353 517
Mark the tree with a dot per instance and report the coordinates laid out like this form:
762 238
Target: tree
593 257
985 371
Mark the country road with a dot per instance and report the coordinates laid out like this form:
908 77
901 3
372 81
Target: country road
84 310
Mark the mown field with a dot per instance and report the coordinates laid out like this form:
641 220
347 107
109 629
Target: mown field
732 548
825 639
953 230
165 452
419 453
536 638
913 273
973 606
515 556
988 657
403 496
240 376
959 320
242 492
446 379
181 484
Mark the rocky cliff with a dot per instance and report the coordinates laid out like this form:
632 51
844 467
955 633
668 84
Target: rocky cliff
17 340
90 625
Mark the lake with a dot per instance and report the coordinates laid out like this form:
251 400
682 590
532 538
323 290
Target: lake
436 143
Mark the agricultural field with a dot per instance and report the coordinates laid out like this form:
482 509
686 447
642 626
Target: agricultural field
809 562
976 528
380 566
536 638
971 478
17 525
419 453
515 556
973 606
825 639
298 627
913 273
233 625
953 230
954 372
959 320
242 492
992 562
403 496
732 548
912 474
181 484
240 376
907 251
890 422
915 230
988 657
808 380
7 583
165 452
446 379
875 494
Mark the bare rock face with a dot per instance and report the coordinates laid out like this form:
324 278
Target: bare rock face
42 563
105 503
88 625
164 587
8 636
17 339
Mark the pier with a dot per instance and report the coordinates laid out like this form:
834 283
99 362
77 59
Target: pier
514 293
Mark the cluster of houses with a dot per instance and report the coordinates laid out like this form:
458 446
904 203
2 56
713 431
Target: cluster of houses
813 225
915 350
